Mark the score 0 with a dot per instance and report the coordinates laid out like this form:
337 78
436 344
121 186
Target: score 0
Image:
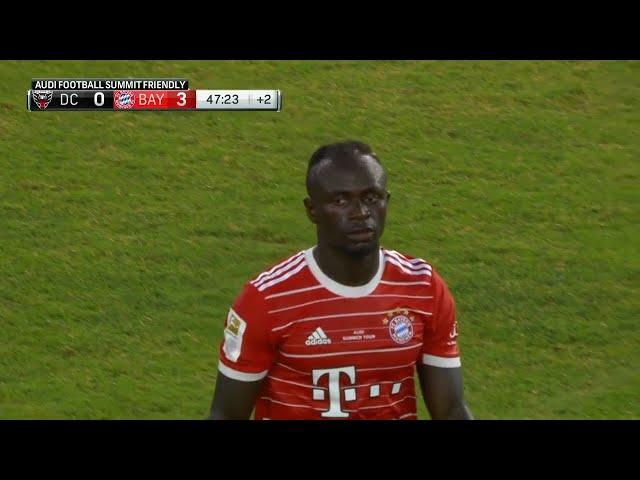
82 100
98 99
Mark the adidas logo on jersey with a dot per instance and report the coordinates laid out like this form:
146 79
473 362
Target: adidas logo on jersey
318 337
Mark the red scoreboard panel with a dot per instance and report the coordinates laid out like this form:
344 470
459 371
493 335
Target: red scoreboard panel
154 99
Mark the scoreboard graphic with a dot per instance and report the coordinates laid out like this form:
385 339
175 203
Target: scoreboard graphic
97 94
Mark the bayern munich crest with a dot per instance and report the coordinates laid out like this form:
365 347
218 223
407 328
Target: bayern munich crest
123 99
400 326
42 98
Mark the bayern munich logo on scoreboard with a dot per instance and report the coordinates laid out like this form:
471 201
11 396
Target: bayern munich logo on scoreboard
42 98
400 327
123 99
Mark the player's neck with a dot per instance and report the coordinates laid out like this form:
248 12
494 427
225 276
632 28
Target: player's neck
347 269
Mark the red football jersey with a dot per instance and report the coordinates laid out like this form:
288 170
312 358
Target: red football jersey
331 351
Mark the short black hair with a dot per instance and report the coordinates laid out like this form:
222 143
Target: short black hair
349 149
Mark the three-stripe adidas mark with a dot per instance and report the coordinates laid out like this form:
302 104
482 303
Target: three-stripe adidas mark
318 337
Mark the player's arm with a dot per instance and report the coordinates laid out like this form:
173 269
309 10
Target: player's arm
233 399
246 355
440 370
443 392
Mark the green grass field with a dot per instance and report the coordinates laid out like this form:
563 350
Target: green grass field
125 236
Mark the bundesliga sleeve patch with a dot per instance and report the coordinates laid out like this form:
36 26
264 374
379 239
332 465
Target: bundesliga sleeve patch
233 333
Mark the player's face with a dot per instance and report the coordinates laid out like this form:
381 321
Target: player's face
349 205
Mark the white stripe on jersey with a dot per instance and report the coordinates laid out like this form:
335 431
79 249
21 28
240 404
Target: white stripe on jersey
302 406
242 376
322 317
412 364
282 278
353 352
274 268
333 330
387 405
279 272
376 383
293 404
291 292
413 266
403 257
407 415
386 282
442 362
424 271
293 369
270 377
404 266
343 298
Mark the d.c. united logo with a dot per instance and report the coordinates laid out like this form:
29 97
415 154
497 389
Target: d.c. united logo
400 327
123 99
42 98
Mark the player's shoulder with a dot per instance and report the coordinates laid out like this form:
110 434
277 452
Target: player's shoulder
403 259
407 265
284 271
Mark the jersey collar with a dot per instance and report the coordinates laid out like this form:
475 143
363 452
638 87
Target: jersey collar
339 288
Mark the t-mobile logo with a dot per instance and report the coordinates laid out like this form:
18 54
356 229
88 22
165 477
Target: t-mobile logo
335 407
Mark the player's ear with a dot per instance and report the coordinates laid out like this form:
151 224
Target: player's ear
311 210
388 195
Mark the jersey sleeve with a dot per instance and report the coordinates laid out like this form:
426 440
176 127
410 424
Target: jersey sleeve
246 352
440 341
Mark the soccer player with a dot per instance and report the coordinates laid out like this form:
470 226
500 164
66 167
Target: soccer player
337 331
